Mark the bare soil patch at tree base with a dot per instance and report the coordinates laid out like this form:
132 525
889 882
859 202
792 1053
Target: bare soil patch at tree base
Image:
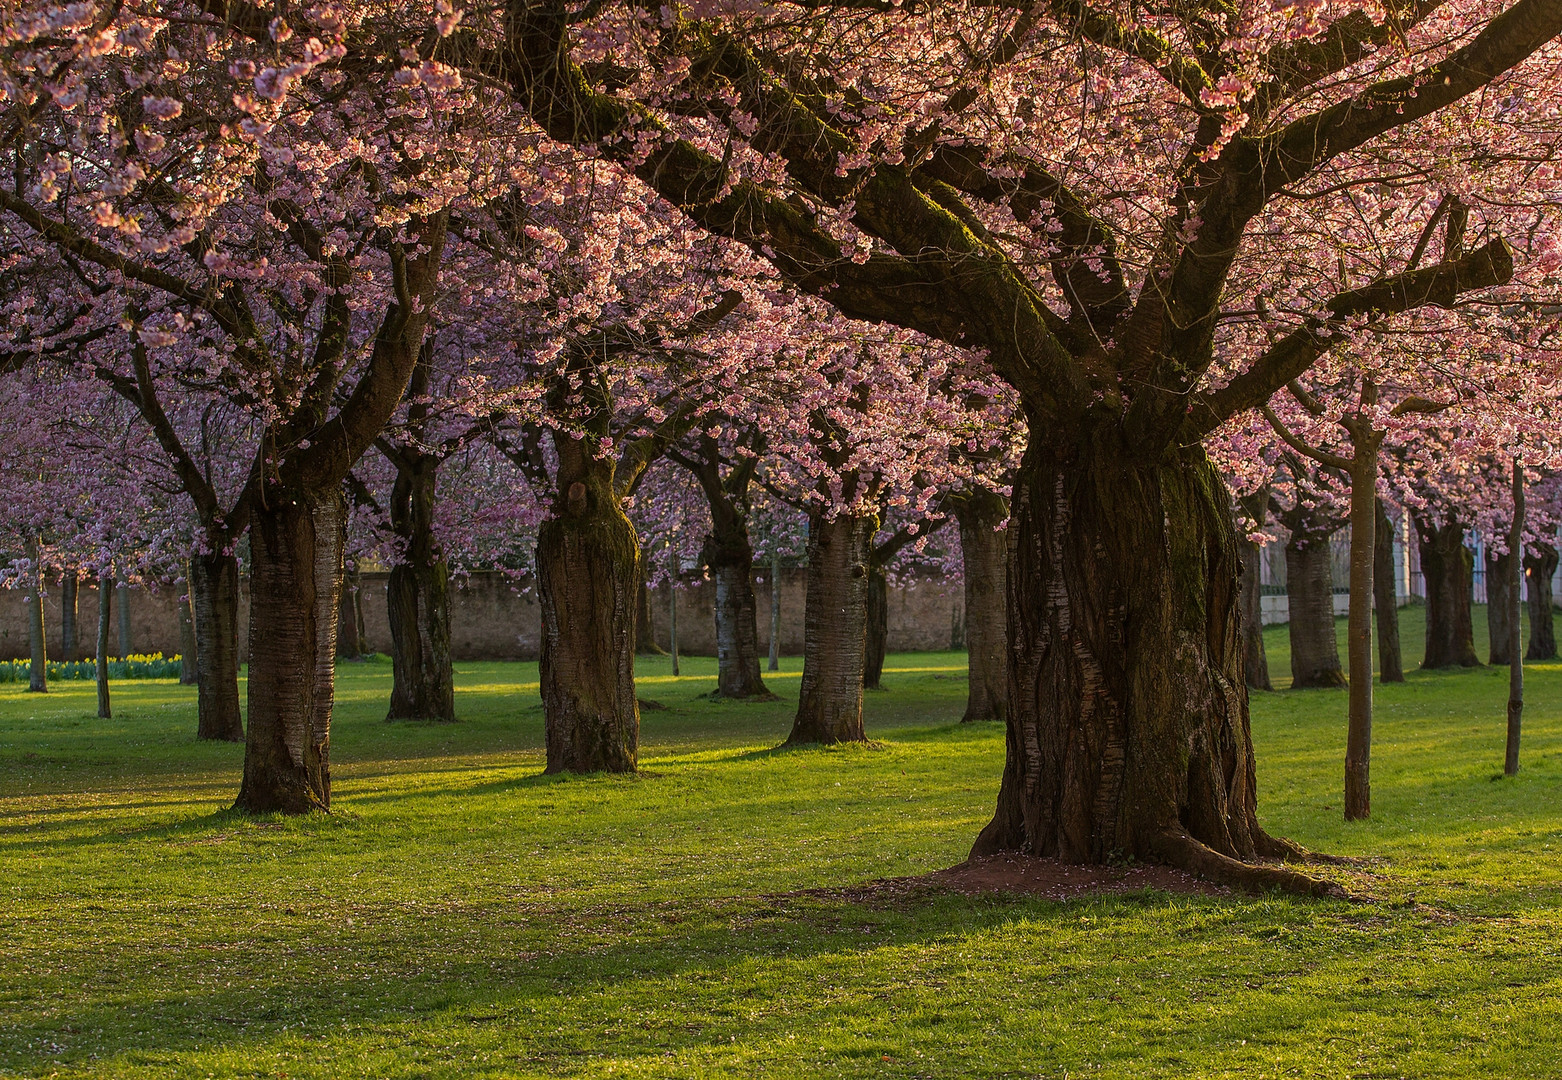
1052 879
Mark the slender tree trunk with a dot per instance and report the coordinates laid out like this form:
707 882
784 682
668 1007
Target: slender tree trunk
1358 635
984 557
730 556
1445 567
588 572
125 640
1499 570
1128 728
1515 654
1539 565
350 643
672 609
1391 665
829 708
38 646
214 603
105 604
645 623
1309 572
188 662
876 641
70 626
417 600
775 613
295 590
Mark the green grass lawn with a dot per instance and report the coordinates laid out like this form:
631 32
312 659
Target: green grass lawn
460 915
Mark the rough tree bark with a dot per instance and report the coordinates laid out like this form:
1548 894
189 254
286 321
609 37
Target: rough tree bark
1255 660
417 598
1540 563
188 663
1391 664
829 707
1366 443
1128 729
1309 576
37 644
984 555
730 556
214 602
1499 570
296 550
1446 566
105 603
588 577
70 604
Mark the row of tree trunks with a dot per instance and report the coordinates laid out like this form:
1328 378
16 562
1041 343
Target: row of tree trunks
984 552
1128 728
296 549
1446 568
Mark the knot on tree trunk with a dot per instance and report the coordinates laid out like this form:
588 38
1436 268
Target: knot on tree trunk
575 501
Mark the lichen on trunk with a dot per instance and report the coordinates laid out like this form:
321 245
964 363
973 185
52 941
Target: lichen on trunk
829 708
296 546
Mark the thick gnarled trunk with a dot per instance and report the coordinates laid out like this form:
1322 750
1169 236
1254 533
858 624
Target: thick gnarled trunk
1539 565
417 601
1309 575
295 588
1391 664
1446 566
730 557
829 707
214 604
588 578
1499 570
1128 727
984 557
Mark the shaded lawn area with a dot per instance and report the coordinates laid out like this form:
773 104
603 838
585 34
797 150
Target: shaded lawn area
460 915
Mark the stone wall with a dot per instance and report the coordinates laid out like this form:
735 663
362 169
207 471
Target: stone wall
492 619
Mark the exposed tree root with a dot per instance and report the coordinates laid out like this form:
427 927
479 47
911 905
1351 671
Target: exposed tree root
1277 847
1179 849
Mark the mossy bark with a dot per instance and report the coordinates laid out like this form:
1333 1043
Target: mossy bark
296 547
1128 728
1391 663
1540 564
1446 567
984 557
417 599
829 708
214 602
1309 573
588 576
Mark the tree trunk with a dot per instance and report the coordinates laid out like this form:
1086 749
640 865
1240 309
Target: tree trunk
1515 656
188 662
417 600
645 623
829 707
350 644
588 572
105 603
876 639
1499 569
1255 660
1539 565
1445 567
1391 665
70 627
775 614
123 599
672 611
1358 635
38 646
295 589
984 557
1309 575
214 603
730 556
1128 727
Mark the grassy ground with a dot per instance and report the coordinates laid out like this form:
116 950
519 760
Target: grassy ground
459 915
